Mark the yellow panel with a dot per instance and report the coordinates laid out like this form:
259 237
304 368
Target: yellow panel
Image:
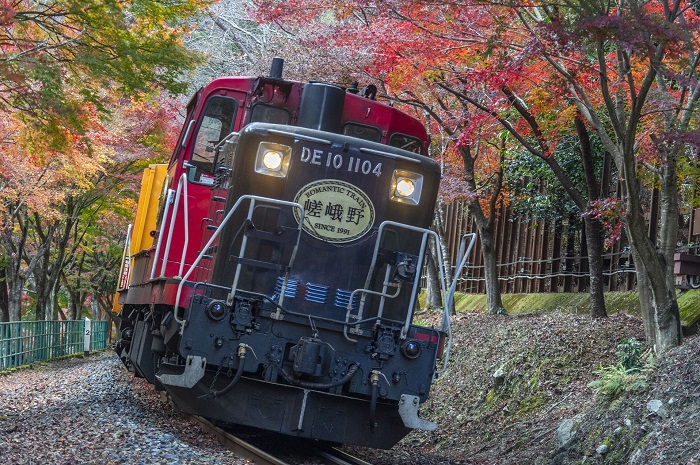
145 222
147 208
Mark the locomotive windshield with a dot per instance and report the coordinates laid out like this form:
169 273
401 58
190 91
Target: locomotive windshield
268 114
405 142
362 131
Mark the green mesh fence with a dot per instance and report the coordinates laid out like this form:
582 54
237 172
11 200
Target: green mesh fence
24 342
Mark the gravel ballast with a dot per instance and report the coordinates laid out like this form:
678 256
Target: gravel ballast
92 411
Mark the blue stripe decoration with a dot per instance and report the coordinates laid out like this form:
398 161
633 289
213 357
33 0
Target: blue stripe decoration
290 292
342 297
316 293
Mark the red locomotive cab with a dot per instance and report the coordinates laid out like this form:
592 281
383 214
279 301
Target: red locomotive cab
213 113
222 107
185 210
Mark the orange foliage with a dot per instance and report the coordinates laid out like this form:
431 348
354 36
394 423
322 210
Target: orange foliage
472 62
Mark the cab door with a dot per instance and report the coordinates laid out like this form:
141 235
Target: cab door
213 118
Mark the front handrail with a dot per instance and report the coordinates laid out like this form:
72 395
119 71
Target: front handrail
213 237
166 210
450 297
181 190
421 257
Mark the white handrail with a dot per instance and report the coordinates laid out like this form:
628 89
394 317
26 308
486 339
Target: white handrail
213 237
450 297
126 253
380 231
166 210
181 189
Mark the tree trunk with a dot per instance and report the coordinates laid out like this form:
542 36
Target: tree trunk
662 323
42 287
494 303
52 314
433 291
594 236
645 297
570 254
439 225
594 242
14 240
4 308
94 309
656 291
15 300
670 212
74 305
113 318
485 227
657 298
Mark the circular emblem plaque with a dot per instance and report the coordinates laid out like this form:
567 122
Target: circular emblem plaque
335 211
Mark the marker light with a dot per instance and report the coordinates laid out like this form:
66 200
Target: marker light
411 349
406 187
216 310
273 159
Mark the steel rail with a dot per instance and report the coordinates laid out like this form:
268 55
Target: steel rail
325 456
335 456
237 445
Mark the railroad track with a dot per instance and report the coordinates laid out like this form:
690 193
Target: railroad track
246 450
242 448
333 456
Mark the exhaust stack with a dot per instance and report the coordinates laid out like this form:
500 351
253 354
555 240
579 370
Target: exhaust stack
276 68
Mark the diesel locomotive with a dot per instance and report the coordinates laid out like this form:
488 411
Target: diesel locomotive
273 270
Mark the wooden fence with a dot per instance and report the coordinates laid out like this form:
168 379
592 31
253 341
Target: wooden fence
536 256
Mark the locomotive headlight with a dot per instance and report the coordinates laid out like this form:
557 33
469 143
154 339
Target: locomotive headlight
273 159
406 187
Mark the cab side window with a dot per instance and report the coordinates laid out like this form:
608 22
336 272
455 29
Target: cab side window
183 133
217 123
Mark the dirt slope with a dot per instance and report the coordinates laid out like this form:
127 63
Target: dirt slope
547 362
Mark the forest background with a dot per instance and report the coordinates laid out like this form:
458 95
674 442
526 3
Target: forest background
91 92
